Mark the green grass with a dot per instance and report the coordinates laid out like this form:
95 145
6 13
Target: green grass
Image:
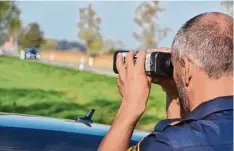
33 88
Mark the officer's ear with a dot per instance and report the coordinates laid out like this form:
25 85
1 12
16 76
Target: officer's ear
187 66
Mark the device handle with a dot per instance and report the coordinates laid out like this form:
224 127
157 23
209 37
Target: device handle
115 60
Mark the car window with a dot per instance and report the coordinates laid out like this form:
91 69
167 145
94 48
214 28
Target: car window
33 51
47 140
2 148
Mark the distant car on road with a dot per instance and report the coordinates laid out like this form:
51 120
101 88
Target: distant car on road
32 53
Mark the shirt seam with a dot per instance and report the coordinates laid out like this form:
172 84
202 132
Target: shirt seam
168 142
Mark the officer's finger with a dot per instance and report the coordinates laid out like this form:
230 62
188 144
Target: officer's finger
140 62
129 60
120 65
149 79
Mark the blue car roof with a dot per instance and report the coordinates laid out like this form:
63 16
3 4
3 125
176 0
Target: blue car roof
55 124
30 49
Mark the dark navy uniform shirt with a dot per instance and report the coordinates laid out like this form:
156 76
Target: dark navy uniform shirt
209 127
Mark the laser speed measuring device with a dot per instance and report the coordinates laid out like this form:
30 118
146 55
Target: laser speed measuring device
157 64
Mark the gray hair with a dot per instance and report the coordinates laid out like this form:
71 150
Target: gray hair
207 39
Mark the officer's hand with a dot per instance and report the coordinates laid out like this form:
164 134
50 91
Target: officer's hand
173 106
133 83
168 85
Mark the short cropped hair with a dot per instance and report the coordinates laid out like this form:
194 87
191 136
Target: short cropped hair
208 40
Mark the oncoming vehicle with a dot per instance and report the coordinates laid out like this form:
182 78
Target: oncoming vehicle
35 133
32 53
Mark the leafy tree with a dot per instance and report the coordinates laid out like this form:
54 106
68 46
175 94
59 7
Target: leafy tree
9 20
77 46
49 44
32 38
63 45
14 29
110 46
14 26
228 5
89 30
119 44
146 17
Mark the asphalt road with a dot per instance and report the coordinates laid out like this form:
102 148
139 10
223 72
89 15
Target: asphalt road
76 66
68 65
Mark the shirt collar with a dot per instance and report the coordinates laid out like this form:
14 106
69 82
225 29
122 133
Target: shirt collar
211 106
215 105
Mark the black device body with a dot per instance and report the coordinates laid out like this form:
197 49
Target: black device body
157 64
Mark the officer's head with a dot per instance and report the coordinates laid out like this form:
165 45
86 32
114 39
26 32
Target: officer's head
202 53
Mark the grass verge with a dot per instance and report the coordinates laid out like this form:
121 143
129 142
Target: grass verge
38 89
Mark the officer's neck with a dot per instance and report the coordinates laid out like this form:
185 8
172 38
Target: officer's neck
206 89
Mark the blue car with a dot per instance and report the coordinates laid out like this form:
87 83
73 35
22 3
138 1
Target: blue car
35 133
32 53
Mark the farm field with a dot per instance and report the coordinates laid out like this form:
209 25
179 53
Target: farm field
103 62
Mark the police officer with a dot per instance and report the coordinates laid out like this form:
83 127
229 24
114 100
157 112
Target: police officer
199 100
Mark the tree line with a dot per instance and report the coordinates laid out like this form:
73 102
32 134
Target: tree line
146 18
88 27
